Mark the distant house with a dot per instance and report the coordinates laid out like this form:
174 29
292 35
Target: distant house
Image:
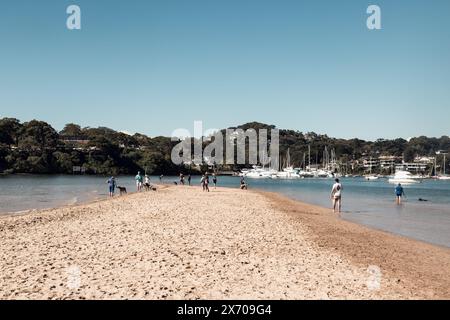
371 163
74 140
78 169
387 162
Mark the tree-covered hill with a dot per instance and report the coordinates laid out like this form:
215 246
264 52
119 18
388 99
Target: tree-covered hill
36 147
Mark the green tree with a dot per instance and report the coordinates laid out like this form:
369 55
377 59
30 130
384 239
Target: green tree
38 134
71 130
9 130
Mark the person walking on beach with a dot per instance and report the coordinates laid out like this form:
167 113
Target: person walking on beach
205 182
139 181
399 192
215 180
160 178
336 196
112 186
189 179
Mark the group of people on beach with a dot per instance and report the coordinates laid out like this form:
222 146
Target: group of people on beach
336 195
204 181
142 182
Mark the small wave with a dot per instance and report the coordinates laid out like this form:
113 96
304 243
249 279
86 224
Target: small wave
73 201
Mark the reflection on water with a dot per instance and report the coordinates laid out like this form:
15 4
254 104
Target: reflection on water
368 203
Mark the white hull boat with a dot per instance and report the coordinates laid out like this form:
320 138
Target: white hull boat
404 177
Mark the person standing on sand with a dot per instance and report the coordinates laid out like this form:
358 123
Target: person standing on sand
205 182
399 192
243 184
189 179
112 186
160 178
147 183
139 181
215 180
336 196
202 182
182 179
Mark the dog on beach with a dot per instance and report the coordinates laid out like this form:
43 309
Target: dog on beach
149 187
122 190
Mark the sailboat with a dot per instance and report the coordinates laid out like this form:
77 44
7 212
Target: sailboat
306 171
288 171
444 176
258 172
325 172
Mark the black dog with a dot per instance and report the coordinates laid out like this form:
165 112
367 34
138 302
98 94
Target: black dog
122 190
149 187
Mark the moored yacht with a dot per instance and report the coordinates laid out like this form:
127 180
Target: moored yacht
258 173
404 177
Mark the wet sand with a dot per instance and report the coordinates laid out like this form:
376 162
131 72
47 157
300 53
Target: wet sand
181 243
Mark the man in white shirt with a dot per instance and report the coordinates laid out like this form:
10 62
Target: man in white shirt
336 196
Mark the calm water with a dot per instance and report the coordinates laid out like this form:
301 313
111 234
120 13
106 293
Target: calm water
368 203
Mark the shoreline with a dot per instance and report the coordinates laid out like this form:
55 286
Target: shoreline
258 190
333 250
417 258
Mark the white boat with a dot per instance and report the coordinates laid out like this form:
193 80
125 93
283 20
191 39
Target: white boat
305 174
288 173
404 177
443 176
323 174
258 173
244 172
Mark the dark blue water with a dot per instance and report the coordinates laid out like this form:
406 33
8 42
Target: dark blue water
369 203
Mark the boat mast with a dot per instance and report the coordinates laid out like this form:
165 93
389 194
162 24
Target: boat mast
435 166
309 156
304 161
444 163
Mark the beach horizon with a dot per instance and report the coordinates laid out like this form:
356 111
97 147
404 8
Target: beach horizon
182 243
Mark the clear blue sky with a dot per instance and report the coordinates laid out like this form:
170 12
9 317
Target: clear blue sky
154 66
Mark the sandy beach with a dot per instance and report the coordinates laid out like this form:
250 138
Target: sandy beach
182 243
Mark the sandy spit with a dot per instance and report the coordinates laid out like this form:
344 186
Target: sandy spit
181 243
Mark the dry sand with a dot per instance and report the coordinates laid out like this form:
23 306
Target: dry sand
181 243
